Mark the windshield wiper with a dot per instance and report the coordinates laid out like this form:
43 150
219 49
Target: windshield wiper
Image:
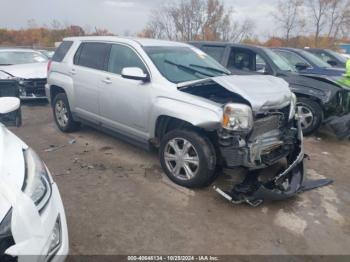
211 68
5 64
187 68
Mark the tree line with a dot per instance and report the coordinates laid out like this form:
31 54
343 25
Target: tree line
314 23
297 23
45 36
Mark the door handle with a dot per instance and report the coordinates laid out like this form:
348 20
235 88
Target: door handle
107 81
73 71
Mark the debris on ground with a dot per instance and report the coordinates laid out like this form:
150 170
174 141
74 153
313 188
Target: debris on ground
72 141
53 148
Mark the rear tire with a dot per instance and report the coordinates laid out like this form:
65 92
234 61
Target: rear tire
188 158
311 115
62 114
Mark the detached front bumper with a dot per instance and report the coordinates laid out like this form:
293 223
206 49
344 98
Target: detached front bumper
52 243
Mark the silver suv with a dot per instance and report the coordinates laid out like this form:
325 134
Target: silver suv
174 97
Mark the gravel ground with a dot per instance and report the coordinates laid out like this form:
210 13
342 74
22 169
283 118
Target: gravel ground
118 201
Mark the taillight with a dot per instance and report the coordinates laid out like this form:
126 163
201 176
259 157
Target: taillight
49 66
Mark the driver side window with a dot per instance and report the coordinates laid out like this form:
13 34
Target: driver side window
240 60
122 56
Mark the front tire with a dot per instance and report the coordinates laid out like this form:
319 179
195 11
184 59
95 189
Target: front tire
188 158
62 114
311 115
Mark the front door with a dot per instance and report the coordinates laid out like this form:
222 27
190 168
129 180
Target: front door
125 104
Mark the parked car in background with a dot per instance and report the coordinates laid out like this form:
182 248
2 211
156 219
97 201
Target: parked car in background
319 98
347 56
329 56
307 63
48 53
29 67
32 218
174 97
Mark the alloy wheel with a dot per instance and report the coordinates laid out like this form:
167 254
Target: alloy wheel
181 158
306 116
61 112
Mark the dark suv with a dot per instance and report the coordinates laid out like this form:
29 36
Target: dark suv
319 98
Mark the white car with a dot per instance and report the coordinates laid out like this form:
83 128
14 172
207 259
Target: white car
347 56
30 67
32 217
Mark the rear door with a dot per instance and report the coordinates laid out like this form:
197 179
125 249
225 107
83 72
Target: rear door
90 64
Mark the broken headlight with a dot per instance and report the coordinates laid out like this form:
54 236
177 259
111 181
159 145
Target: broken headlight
237 117
293 107
37 183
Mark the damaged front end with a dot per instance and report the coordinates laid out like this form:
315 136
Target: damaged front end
283 185
259 129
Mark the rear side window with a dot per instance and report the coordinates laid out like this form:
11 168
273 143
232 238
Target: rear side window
61 51
92 55
216 52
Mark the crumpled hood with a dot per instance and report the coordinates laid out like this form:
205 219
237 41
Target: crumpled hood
12 169
27 71
262 92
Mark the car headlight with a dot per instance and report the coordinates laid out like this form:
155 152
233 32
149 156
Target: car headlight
293 107
237 117
37 182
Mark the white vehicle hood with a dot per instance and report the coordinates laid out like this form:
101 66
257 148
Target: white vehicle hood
27 71
262 92
12 167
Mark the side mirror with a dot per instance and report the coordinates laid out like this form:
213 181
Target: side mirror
301 66
9 104
135 73
332 62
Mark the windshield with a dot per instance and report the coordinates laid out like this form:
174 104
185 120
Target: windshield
182 64
313 59
21 57
279 61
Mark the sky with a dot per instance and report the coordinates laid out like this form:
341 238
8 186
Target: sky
118 16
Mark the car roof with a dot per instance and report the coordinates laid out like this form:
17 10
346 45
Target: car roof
216 43
297 50
140 41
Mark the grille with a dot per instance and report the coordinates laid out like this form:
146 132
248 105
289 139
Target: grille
265 125
35 86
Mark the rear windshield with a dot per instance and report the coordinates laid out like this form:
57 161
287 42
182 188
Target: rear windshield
61 51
